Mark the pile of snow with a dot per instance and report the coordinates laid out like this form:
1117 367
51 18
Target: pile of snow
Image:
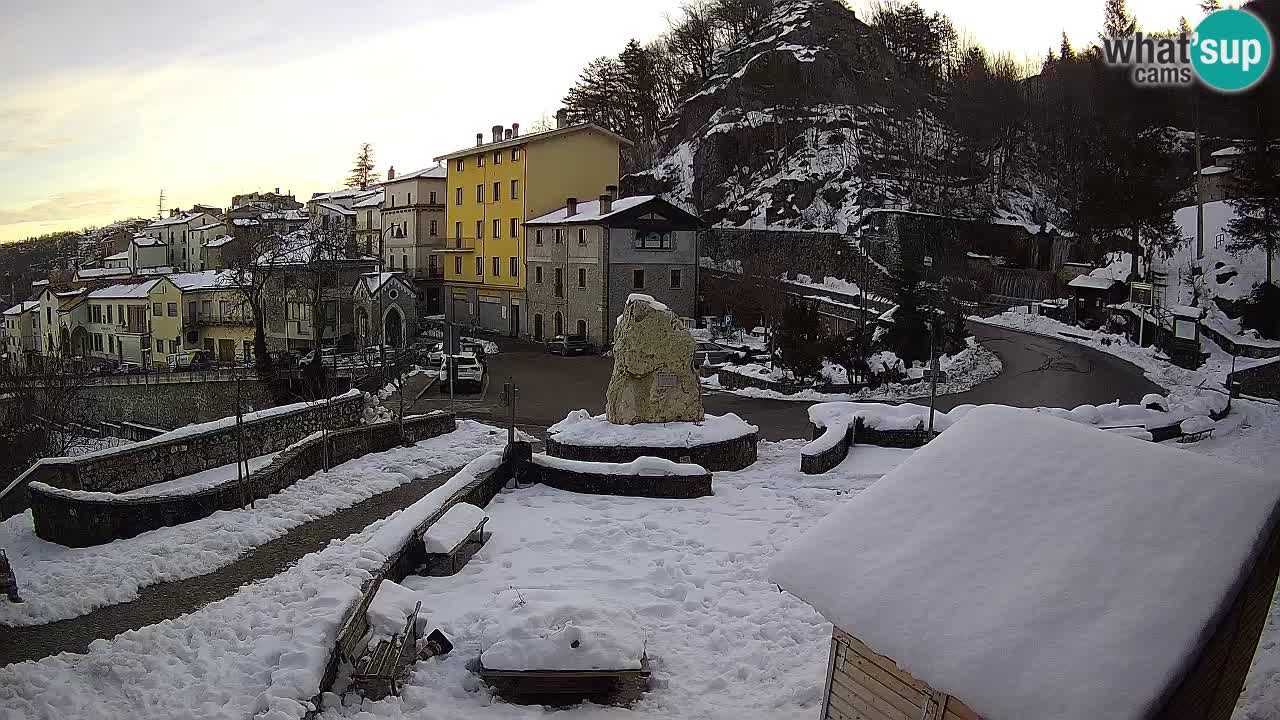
210 478
642 466
390 610
561 630
1196 424
59 582
581 428
1093 543
452 528
647 299
964 371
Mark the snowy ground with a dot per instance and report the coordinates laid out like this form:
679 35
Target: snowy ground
722 639
965 370
59 582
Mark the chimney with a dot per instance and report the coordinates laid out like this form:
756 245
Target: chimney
497 133
570 207
479 139
391 173
562 118
606 204
515 130
506 134
277 191
612 190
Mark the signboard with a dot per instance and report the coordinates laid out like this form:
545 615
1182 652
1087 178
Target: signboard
1184 329
1141 293
928 261
666 379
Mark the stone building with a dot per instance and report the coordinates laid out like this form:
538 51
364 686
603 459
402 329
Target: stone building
412 232
585 259
389 296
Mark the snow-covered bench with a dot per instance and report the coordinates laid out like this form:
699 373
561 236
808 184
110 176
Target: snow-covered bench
446 537
376 671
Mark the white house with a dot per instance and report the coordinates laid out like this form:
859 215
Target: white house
178 233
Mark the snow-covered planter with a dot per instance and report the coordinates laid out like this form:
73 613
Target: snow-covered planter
643 477
561 630
719 442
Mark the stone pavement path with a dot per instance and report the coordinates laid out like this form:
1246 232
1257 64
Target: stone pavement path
169 600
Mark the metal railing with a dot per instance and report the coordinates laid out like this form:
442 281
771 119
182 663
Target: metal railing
217 318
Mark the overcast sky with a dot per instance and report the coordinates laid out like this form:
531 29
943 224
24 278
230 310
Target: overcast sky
102 104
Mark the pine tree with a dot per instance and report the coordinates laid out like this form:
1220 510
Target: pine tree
362 173
802 339
1117 22
1257 205
1210 6
1067 52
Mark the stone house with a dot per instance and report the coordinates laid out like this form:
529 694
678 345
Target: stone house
385 307
585 259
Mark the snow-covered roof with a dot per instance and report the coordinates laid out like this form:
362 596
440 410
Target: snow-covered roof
336 208
244 222
122 255
144 241
535 137
1092 282
589 211
437 172
203 279
300 248
374 281
1215 170
180 219
89 273
132 290
1227 152
1035 567
218 241
374 200
24 306
209 226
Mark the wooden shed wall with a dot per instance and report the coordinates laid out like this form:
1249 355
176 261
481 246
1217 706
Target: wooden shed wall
862 685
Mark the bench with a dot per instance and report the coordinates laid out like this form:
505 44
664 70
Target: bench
446 537
375 672
1196 436
560 688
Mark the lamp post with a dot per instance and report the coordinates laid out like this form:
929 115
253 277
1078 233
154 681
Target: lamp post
933 360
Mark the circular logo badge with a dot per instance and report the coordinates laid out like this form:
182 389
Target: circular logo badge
1231 50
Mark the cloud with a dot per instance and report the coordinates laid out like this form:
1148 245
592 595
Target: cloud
66 207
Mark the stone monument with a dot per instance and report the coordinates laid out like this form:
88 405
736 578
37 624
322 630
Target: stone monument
653 378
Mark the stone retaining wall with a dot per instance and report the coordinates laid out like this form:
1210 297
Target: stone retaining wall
1236 346
651 486
863 435
135 466
820 462
83 520
735 454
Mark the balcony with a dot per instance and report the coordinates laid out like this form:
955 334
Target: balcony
455 245
206 319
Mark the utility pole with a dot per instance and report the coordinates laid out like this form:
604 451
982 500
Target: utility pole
933 360
510 394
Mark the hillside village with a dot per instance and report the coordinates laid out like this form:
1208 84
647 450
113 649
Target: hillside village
811 360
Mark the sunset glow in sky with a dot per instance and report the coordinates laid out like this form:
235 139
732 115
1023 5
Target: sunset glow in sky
103 104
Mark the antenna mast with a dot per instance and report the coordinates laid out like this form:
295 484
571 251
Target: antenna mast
160 205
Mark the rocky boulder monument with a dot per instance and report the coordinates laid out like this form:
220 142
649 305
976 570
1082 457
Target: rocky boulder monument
653 378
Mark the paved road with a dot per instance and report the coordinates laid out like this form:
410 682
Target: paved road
1037 371
169 600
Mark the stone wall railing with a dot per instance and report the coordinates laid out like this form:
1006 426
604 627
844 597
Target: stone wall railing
1236 346
816 460
79 519
601 483
734 454
1260 380
182 452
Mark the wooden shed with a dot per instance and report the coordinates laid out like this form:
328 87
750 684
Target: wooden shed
1022 566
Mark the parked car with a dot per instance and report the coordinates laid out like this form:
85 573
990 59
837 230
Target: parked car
709 353
129 368
466 369
190 360
285 359
325 355
568 345
436 355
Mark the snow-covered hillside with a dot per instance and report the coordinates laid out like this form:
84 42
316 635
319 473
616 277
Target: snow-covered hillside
809 126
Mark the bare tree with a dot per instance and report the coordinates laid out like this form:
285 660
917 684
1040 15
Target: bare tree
45 412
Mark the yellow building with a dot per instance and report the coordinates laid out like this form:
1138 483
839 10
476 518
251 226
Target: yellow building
491 189
211 314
